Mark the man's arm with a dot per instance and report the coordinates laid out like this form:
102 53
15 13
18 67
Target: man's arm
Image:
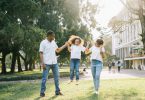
58 50
41 60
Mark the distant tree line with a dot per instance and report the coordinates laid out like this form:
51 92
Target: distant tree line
23 24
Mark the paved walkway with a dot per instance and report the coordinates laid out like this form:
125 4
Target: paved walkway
125 73
104 75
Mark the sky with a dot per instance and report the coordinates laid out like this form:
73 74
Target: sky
109 8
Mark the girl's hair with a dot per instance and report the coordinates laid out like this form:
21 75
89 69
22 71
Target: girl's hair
99 41
73 41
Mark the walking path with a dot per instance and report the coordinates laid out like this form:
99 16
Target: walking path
126 73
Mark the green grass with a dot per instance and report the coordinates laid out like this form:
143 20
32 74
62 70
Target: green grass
120 89
31 75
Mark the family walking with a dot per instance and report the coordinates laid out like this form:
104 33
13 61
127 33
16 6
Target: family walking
48 49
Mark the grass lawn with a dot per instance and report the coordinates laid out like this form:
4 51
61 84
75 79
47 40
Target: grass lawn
117 89
31 75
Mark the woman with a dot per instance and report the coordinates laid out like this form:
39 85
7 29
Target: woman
97 54
75 49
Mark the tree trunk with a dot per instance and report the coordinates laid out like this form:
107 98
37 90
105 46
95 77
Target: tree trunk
3 64
25 61
13 62
34 65
26 65
142 20
19 64
30 65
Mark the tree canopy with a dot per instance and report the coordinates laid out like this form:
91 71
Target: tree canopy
23 24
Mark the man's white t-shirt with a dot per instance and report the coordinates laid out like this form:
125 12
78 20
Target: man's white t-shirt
76 51
95 55
49 51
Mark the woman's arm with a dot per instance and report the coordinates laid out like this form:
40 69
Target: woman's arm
102 52
87 51
69 48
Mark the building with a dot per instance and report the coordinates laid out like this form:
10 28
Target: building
126 39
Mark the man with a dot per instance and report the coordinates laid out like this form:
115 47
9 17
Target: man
48 49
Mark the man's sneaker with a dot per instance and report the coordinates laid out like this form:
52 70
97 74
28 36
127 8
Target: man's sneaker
97 92
59 93
42 94
77 82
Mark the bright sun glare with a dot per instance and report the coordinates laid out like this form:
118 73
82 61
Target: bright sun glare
109 8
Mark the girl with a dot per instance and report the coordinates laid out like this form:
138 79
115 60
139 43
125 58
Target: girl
97 54
75 49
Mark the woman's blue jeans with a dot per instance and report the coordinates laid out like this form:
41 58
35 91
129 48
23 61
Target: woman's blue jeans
96 68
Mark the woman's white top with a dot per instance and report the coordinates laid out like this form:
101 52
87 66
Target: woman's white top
96 53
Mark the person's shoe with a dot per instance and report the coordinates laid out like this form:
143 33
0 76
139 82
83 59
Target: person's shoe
42 94
97 92
70 81
59 93
77 82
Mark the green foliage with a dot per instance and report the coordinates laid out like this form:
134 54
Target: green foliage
23 24
112 57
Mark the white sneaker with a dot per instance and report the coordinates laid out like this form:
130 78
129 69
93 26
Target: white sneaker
97 92
77 82
70 81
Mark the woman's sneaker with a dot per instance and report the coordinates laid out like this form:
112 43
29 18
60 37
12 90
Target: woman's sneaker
77 82
97 92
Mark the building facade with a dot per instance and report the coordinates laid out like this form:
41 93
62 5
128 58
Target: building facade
126 40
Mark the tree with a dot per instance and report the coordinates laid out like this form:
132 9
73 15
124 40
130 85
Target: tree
23 24
64 18
136 7
13 23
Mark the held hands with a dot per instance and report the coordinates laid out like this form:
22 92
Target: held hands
58 50
67 44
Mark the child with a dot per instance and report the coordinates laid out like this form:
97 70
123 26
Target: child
97 54
75 49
